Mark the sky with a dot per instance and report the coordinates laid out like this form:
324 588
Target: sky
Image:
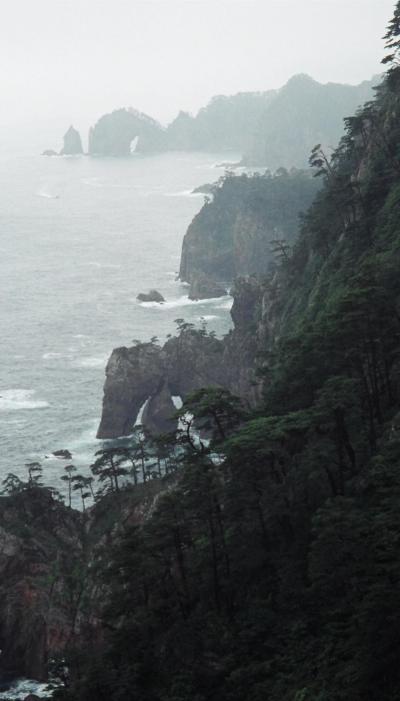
70 61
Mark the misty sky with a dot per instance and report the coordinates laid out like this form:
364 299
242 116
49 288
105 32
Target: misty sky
69 61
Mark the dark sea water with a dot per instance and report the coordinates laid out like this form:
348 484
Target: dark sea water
79 239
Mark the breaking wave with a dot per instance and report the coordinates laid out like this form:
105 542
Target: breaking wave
219 302
18 399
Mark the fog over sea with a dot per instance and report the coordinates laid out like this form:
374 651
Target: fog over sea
79 239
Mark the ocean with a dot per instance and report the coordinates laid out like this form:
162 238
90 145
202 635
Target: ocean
79 239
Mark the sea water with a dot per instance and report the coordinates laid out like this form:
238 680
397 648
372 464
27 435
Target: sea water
79 239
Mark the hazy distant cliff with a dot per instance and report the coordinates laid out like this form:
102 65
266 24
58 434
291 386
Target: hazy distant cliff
72 143
114 133
225 123
273 128
302 114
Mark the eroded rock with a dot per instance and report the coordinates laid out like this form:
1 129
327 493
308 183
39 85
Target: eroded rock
185 363
72 143
132 376
152 296
158 415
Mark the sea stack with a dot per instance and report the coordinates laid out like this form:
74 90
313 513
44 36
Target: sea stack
72 143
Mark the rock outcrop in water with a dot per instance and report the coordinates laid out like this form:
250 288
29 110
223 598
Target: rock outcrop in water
72 143
114 134
185 363
152 296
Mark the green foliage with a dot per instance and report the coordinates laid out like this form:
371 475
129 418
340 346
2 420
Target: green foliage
271 569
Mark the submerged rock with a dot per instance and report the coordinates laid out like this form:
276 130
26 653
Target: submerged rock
203 287
72 143
49 152
152 296
63 454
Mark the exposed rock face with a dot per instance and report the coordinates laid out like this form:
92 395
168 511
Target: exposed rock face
40 545
49 595
49 152
159 412
203 287
152 296
132 376
185 363
72 143
146 371
233 234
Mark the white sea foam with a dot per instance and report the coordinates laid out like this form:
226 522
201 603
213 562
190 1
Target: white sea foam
52 356
177 401
84 445
208 317
218 302
140 414
47 195
226 303
21 688
97 361
97 264
17 399
184 193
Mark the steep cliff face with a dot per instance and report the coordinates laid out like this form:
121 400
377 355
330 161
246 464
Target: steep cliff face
41 546
236 233
50 599
231 237
132 376
149 373
72 143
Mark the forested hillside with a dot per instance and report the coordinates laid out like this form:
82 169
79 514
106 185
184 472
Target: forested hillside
245 224
303 113
271 570
272 129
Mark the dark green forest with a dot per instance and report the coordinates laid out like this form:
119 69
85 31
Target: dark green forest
270 566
